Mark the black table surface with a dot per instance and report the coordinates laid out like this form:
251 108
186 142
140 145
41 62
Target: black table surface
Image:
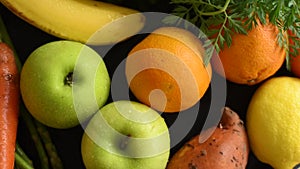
27 38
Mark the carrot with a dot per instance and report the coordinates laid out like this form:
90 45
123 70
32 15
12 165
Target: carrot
9 106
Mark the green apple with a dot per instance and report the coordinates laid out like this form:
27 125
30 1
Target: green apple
126 134
63 83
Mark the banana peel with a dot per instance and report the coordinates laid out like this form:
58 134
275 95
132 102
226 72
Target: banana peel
87 21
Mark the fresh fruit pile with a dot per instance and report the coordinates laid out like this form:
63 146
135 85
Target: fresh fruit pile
101 85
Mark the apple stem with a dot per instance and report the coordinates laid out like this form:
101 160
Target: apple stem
69 79
124 142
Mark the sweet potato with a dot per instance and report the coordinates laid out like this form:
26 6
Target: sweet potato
226 148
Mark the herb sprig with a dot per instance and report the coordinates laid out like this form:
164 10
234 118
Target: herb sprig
237 16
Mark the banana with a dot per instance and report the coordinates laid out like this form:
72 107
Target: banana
87 21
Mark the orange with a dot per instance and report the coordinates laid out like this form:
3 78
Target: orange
166 71
251 58
295 64
294 60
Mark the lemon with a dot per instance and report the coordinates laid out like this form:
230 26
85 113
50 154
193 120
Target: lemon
273 122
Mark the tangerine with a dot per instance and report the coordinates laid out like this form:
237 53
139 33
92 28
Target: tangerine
166 70
294 60
295 65
251 58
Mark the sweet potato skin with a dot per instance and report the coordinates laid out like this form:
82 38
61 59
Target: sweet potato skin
227 147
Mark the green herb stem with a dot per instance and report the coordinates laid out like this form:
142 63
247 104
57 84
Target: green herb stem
50 147
36 138
222 10
210 4
21 163
20 151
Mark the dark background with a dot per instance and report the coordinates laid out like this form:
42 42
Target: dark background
27 38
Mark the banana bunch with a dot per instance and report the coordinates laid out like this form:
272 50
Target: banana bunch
87 21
